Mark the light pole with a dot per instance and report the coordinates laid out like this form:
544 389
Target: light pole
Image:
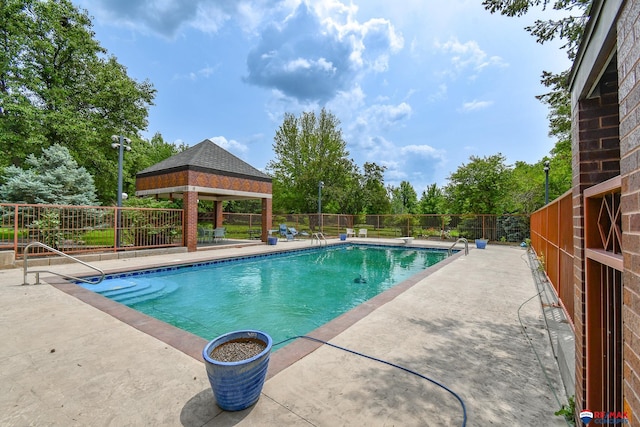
120 143
320 185
546 182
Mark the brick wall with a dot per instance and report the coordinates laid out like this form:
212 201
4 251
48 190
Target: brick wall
202 179
628 28
596 154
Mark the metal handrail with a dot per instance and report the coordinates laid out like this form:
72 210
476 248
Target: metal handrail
466 246
49 248
318 236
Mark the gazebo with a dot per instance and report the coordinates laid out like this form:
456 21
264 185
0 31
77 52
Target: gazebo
206 172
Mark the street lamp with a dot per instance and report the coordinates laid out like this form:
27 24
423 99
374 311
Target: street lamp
320 185
120 143
546 182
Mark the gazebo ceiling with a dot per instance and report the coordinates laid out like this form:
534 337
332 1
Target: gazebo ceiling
209 170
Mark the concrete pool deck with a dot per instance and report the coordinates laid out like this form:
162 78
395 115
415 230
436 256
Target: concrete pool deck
65 362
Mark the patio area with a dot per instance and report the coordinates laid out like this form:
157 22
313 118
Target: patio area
73 358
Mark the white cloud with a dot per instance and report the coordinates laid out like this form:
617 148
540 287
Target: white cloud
205 72
475 105
232 145
169 17
468 57
320 50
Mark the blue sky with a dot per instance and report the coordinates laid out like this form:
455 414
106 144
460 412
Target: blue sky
418 85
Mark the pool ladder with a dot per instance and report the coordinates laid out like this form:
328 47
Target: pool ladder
466 246
25 266
319 237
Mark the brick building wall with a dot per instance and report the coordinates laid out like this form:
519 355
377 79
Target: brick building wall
596 154
628 40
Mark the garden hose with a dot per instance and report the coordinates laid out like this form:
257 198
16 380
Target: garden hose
464 408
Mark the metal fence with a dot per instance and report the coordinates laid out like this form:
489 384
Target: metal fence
75 229
552 240
497 228
88 228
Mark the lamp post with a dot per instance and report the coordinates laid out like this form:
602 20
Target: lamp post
320 185
546 182
120 143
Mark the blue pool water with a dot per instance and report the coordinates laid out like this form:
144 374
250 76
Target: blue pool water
284 295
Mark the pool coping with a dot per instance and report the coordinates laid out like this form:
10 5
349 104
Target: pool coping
192 345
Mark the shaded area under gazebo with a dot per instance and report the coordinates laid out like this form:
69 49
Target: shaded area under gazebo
206 172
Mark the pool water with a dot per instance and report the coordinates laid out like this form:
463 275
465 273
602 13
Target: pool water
284 295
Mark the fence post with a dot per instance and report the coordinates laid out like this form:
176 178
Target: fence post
15 229
116 235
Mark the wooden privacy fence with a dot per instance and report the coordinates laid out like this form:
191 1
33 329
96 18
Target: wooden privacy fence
74 229
552 239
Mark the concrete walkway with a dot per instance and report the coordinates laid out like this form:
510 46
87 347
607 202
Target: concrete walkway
66 363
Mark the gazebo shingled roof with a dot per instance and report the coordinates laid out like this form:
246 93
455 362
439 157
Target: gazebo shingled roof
208 157
208 169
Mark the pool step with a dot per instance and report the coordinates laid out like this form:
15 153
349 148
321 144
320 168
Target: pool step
128 291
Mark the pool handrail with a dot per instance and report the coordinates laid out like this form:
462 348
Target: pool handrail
466 246
25 266
319 237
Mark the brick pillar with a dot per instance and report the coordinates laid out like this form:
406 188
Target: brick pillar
629 70
267 218
190 206
595 158
217 206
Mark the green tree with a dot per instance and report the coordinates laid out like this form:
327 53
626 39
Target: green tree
431 201
53 178
374 194
404 199
309 149
59 86
569 28
144 153
480 187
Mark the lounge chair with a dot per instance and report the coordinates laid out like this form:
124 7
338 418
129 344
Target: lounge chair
295 232
362 232
219 234
351 232
284 232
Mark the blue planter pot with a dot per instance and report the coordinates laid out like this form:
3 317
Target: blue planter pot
272 240
237 385
481 243
343 237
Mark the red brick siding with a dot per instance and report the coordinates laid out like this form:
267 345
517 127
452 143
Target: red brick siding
596 158
201 179
629 95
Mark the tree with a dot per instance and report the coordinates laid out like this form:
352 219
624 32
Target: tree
570 29
431 201
144 153
59 86
480 187
53 178
374 196
404 199
309 149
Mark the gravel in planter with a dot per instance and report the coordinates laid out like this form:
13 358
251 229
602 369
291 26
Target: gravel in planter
237 350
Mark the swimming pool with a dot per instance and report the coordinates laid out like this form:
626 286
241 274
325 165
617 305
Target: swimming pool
285 294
